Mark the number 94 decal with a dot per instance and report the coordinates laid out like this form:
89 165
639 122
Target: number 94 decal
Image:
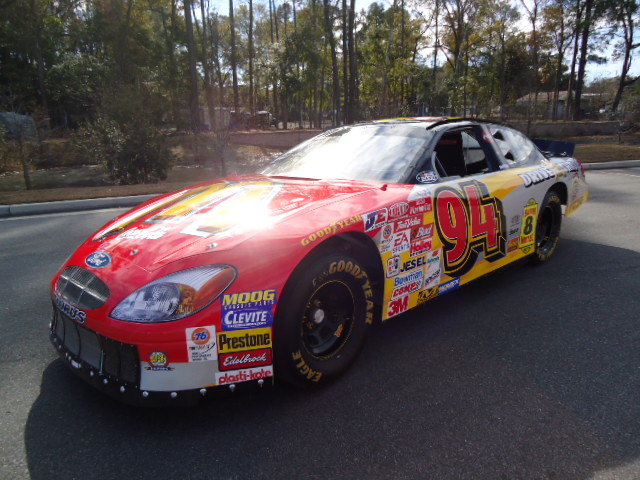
469 222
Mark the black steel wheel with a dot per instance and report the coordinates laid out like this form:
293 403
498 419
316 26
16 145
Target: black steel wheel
321 320
548 227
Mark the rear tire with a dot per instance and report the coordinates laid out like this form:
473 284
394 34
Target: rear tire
321 321
548 228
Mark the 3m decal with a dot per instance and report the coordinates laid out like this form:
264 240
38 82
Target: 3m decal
469 222
250 359
229 342
398 306
373 220
398 210
201 342
330 230
158 362
528 231
244 375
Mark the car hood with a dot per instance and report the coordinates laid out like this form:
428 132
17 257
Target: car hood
215 215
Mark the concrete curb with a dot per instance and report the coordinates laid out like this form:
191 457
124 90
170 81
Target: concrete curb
71 205
123 202
608 165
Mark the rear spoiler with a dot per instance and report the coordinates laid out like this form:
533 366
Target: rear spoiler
555 148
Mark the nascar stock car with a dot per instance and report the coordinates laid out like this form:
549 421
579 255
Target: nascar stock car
237 281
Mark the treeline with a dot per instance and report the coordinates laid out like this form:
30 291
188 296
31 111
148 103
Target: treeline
311 62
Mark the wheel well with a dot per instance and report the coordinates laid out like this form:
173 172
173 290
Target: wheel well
561 189
360 246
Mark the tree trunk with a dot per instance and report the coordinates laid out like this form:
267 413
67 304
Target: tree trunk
577 114
334 63
193 73
234 63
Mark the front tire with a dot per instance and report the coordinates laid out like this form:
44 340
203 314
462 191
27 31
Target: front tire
321 320
548 228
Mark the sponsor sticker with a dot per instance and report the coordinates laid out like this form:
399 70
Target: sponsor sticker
413 263
98 260
201 342
429 294
513 245
393 266
250 359
239 340
401 242
407 223
419 247
406 289
398 306
422 231
408 277
374 220
450 285
387 232
244 375
398 210
158 362
245 318
528 230
421 205
255 298
427 177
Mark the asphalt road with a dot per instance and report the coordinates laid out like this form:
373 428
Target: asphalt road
531 373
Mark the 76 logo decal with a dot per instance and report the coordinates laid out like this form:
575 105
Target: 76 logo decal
469 222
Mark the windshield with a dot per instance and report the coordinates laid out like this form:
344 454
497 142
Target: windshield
380 152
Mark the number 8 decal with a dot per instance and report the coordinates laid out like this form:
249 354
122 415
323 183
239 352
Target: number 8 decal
469 222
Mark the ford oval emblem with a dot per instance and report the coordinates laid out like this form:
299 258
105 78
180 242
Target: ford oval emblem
99 260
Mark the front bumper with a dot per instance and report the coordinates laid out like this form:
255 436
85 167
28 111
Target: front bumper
114 367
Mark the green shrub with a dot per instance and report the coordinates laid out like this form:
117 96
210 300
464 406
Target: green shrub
131 152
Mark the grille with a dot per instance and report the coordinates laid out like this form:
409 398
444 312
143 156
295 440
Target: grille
82 288
117 359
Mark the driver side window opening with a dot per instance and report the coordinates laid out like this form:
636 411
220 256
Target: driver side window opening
459 154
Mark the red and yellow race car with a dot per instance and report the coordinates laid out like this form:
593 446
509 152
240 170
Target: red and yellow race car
235 282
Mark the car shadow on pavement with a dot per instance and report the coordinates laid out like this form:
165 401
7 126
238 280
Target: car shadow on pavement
532 372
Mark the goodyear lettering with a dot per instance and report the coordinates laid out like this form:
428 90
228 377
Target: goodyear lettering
358 273
330 230
244 340
305 369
